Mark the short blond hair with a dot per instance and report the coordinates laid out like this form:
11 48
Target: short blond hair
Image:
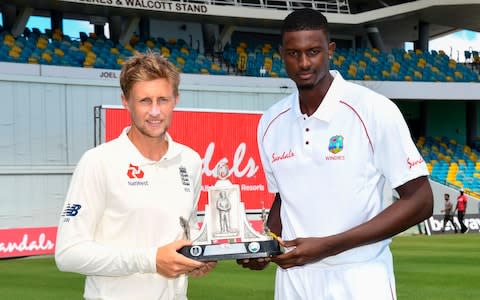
145 67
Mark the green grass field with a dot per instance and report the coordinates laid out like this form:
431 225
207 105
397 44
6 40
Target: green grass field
443 267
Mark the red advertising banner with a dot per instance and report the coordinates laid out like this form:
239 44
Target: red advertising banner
218 137
27 241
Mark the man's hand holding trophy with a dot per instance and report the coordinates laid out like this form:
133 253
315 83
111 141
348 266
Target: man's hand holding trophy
225 232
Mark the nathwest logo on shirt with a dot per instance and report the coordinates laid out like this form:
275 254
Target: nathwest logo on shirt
134 172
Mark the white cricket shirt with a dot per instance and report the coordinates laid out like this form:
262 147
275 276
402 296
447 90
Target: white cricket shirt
330 168
119 209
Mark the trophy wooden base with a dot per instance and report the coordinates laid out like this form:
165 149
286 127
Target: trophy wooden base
243 250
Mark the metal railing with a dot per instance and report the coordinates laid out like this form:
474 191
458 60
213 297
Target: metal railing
332 6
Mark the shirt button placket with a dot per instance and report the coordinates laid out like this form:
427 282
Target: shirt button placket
307 137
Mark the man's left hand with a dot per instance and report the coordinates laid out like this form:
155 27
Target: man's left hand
301 251
203 270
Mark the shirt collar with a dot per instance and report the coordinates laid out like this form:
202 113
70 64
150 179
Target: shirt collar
172 151
330 102
296 106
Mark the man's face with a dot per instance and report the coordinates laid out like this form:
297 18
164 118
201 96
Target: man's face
446 197
306 55
151 105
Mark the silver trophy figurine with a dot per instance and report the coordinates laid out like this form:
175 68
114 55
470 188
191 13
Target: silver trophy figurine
226 232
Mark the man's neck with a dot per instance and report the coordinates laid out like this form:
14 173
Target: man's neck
311 99
151 148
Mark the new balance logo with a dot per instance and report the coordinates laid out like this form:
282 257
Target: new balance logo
71 210
134 172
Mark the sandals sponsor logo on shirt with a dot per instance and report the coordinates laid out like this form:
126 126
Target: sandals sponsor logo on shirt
134 172
335 146
412 162
285 155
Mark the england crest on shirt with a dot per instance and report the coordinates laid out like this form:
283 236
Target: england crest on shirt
184 178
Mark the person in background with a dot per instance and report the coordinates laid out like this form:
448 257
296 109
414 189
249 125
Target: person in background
461 207
327 150
120 223
448 213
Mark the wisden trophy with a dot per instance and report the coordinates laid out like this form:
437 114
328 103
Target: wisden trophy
225 232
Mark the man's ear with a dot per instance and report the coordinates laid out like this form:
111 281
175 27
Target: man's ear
331 49
125 102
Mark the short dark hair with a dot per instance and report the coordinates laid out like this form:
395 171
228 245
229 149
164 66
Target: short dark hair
305 19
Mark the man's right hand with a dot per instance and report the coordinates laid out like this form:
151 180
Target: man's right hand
172 264
254 263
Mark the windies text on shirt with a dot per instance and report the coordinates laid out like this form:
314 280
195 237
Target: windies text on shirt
335 157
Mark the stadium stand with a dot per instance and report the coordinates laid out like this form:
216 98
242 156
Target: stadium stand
362 53
399 65
90 51
451 163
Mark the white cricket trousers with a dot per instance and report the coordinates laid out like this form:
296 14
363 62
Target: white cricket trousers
373 280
